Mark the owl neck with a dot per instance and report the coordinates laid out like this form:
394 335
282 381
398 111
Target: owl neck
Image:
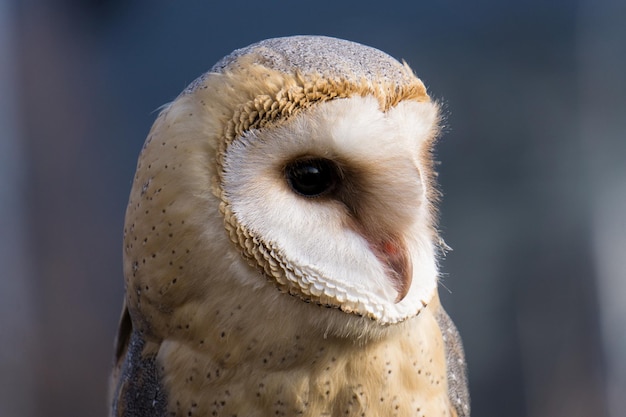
251 363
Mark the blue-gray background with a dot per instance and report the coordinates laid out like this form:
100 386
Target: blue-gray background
533 169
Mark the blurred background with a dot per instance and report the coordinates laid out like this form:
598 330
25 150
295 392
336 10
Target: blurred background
533 169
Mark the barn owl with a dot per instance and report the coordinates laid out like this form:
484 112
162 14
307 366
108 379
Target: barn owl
280 245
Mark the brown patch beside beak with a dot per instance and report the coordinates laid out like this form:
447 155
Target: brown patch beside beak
381 198
394 255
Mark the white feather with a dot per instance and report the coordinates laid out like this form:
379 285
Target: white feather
337 261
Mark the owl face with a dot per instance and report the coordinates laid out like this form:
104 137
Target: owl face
335 197
300 164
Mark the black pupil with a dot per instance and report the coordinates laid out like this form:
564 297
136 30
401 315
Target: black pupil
311 177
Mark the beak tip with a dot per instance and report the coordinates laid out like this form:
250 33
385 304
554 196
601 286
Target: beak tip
403 284
394 256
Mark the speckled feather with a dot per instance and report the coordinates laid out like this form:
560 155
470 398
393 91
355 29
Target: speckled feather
204 330
328 57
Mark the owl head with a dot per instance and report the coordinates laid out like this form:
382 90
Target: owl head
296 173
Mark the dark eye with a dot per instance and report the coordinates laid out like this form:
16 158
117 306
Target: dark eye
312 177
